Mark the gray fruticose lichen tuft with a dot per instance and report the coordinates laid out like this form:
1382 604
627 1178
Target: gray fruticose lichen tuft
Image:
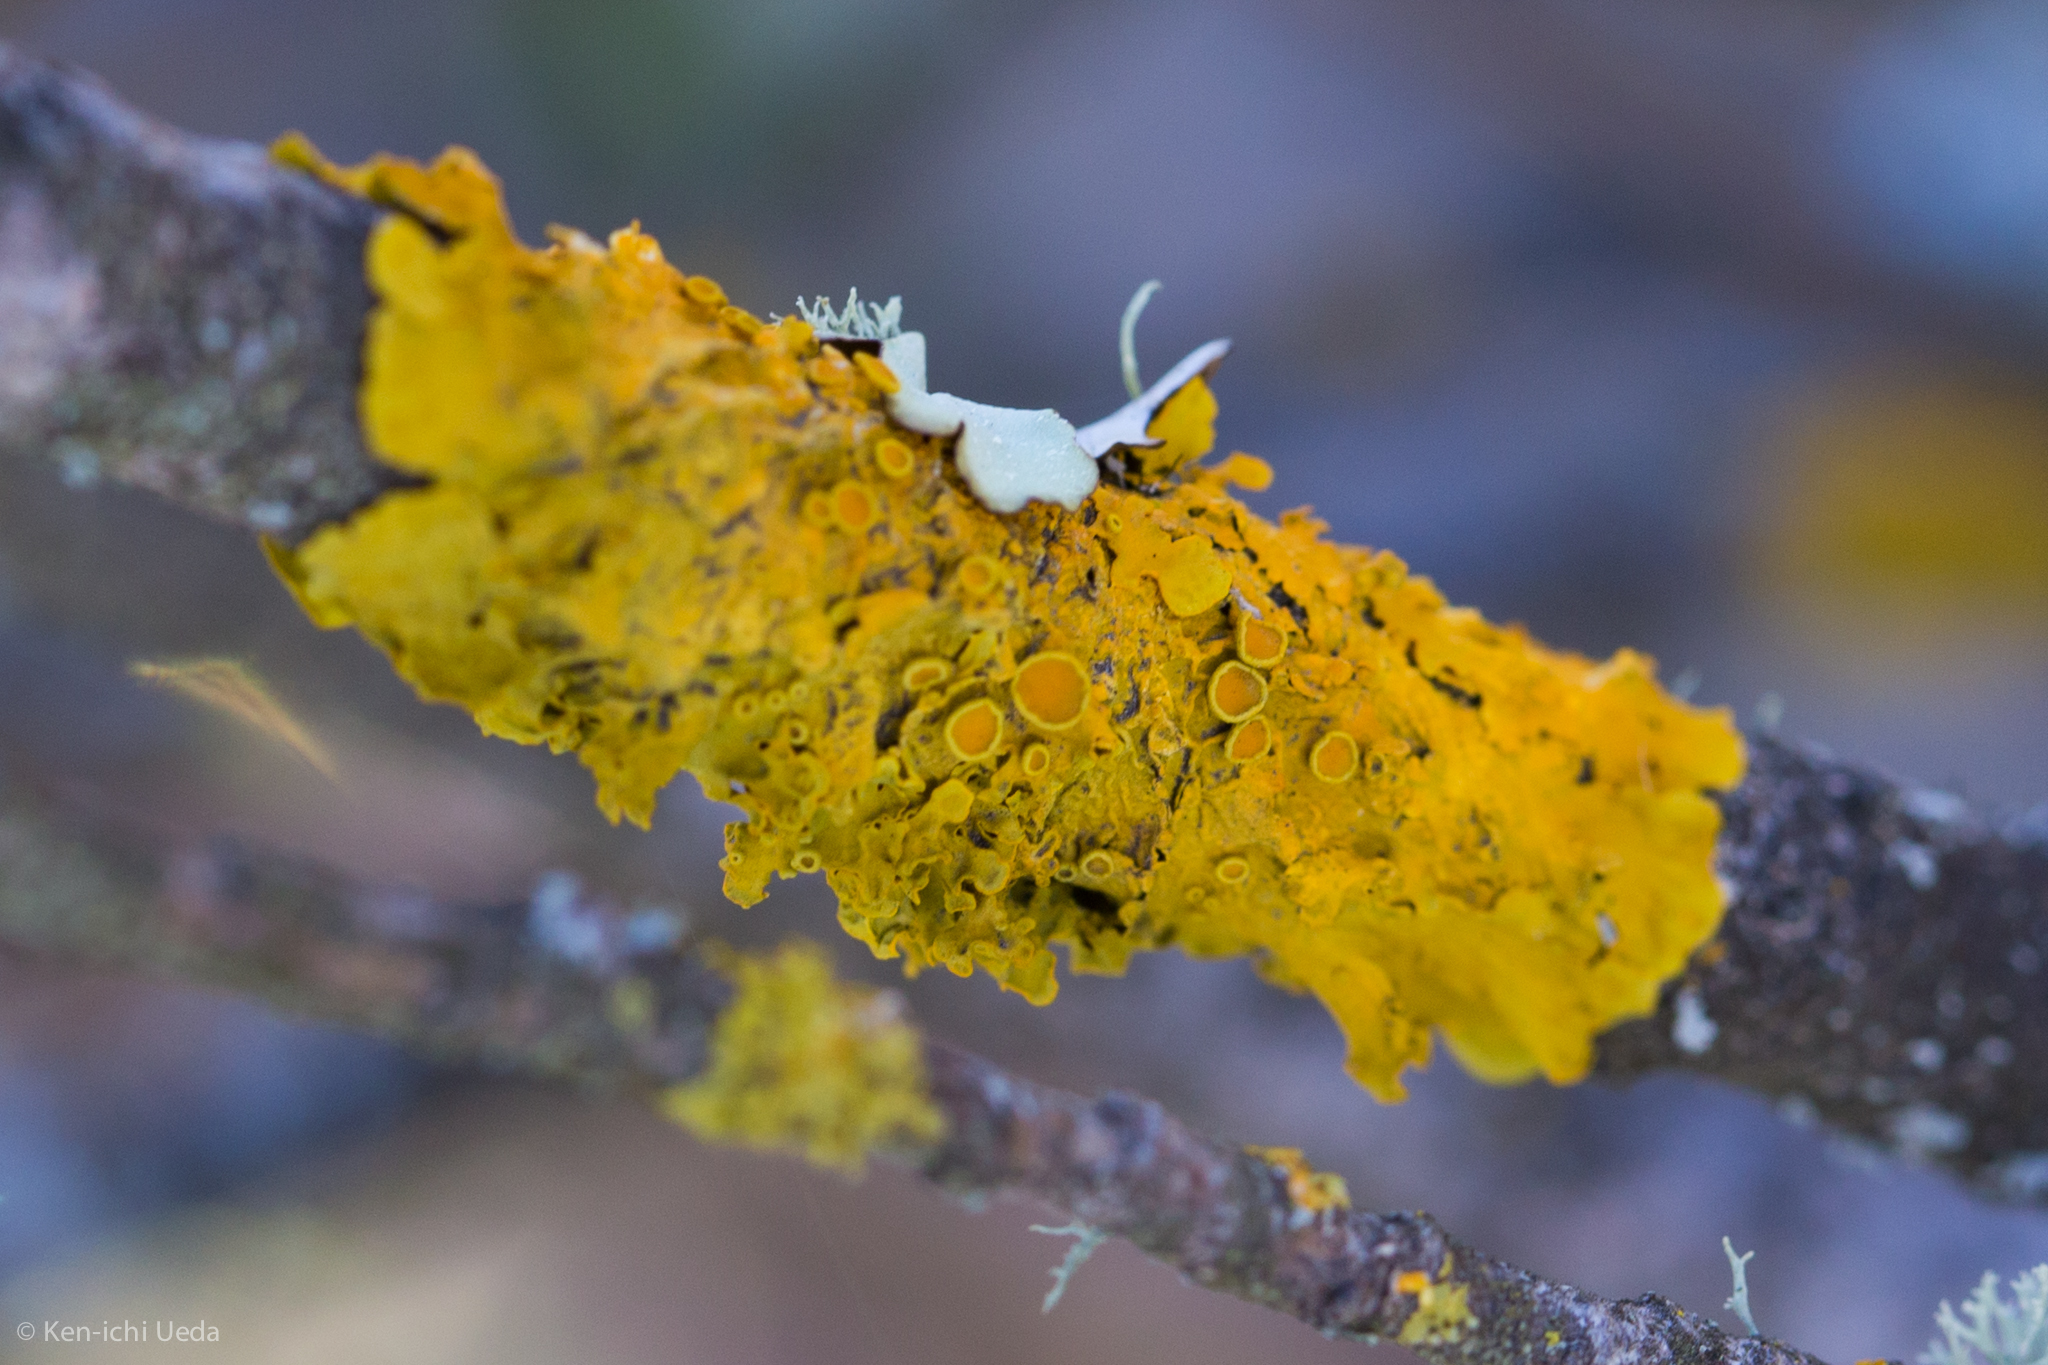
1992 1331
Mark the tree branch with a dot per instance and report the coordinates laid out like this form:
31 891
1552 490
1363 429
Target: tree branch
184 315
1878 970
176 313
503 986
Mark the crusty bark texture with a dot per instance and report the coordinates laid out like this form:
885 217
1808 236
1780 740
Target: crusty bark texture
177 313
1880 970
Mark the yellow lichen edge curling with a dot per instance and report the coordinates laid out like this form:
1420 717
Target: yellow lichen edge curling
803 1062
632 540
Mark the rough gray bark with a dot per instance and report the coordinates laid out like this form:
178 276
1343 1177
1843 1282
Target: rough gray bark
177 313
534 988
1880 970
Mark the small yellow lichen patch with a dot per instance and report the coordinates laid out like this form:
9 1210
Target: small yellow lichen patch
1232 870
1442 1311
802 1062
623 542
1236 693
1307 1187
1051 689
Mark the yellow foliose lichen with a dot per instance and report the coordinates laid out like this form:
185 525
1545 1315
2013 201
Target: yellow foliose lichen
803 1062
658 533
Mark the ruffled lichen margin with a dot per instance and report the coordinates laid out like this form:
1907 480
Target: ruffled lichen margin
655 531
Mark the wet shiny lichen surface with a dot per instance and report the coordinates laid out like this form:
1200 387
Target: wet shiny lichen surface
661 534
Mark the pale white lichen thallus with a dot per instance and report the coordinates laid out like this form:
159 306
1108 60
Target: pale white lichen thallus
1008 456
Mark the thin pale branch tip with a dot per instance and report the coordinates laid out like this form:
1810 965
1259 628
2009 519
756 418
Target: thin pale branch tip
857 321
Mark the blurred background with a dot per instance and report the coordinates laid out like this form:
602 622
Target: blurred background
1716 328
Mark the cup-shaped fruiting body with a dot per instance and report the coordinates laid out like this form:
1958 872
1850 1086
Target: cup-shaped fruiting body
1051 689
920 674
893 459
1260 643
978 575
1253 739
648 528
1334 757
974 731
854 507
1236 693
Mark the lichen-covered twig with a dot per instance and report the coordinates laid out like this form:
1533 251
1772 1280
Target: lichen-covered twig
1876 967
509 988
1231 1220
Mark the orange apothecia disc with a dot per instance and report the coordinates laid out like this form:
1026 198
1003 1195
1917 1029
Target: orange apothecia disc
919 674
1051 689
1253 739
1335 757
974 730
1236 693
1259 644
893 459
853 506
979 575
